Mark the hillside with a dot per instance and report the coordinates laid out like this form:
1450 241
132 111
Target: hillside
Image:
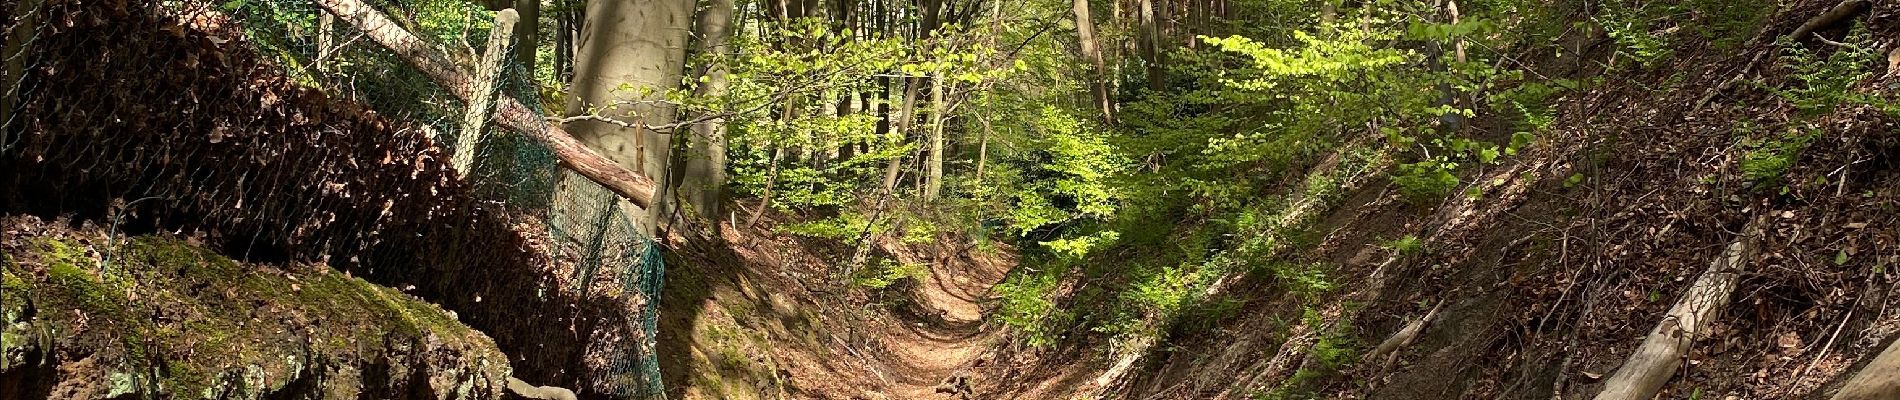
950 199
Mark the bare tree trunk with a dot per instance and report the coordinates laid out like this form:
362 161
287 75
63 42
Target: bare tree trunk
1151 45
574 155
934 183
1085 35
1879 380
527 34
906 113
983 149
704 176
638 44
481 105
564 40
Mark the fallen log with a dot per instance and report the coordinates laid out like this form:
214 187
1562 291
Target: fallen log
1879 380
1834 16
509 113
1662 351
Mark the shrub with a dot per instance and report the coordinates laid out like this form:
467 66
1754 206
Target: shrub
1426 181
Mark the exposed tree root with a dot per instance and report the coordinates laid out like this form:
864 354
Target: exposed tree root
1880 379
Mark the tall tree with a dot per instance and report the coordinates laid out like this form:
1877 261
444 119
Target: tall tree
527 33
933 183
1085 36
631 53
1151 44
704 174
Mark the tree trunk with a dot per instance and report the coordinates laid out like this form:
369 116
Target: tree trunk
704 176
527 34
639 45
983 149
1085 36
1879 380
574 155
481 105
934 185
1151 44
906 114
564 40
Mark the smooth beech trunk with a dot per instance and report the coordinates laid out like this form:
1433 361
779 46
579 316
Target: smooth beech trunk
704 175
631 53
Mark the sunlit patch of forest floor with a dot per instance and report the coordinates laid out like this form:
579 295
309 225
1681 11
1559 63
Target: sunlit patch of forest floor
766 315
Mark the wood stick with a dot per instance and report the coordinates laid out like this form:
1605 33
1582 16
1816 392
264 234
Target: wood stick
509 113
482 106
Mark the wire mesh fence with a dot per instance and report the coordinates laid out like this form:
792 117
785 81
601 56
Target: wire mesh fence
242 118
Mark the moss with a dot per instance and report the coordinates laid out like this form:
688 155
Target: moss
70 270
221 325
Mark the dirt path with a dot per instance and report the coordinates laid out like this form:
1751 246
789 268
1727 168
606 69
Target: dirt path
948 335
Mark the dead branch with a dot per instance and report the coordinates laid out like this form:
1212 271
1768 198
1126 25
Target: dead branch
1662 351
1840 12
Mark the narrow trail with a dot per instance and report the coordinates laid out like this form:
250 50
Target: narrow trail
949 334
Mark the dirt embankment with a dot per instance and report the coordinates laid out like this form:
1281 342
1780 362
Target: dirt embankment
151 117
1543 286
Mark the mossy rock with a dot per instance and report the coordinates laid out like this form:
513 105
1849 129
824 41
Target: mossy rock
160 317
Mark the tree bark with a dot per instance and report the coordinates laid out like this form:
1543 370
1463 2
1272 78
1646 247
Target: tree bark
1151 45
1879 380
1833 16
906 113
631 53
983 149
574 155
527 34
1085 36
934 185
704 176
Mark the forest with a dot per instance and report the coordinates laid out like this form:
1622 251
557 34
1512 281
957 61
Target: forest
949 199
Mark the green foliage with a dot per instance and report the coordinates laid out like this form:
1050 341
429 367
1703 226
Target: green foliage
1028 306
1768 159
1066 179
1406 246
1334 349
846 227
887 272
1640 31
1425 181
1821 84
